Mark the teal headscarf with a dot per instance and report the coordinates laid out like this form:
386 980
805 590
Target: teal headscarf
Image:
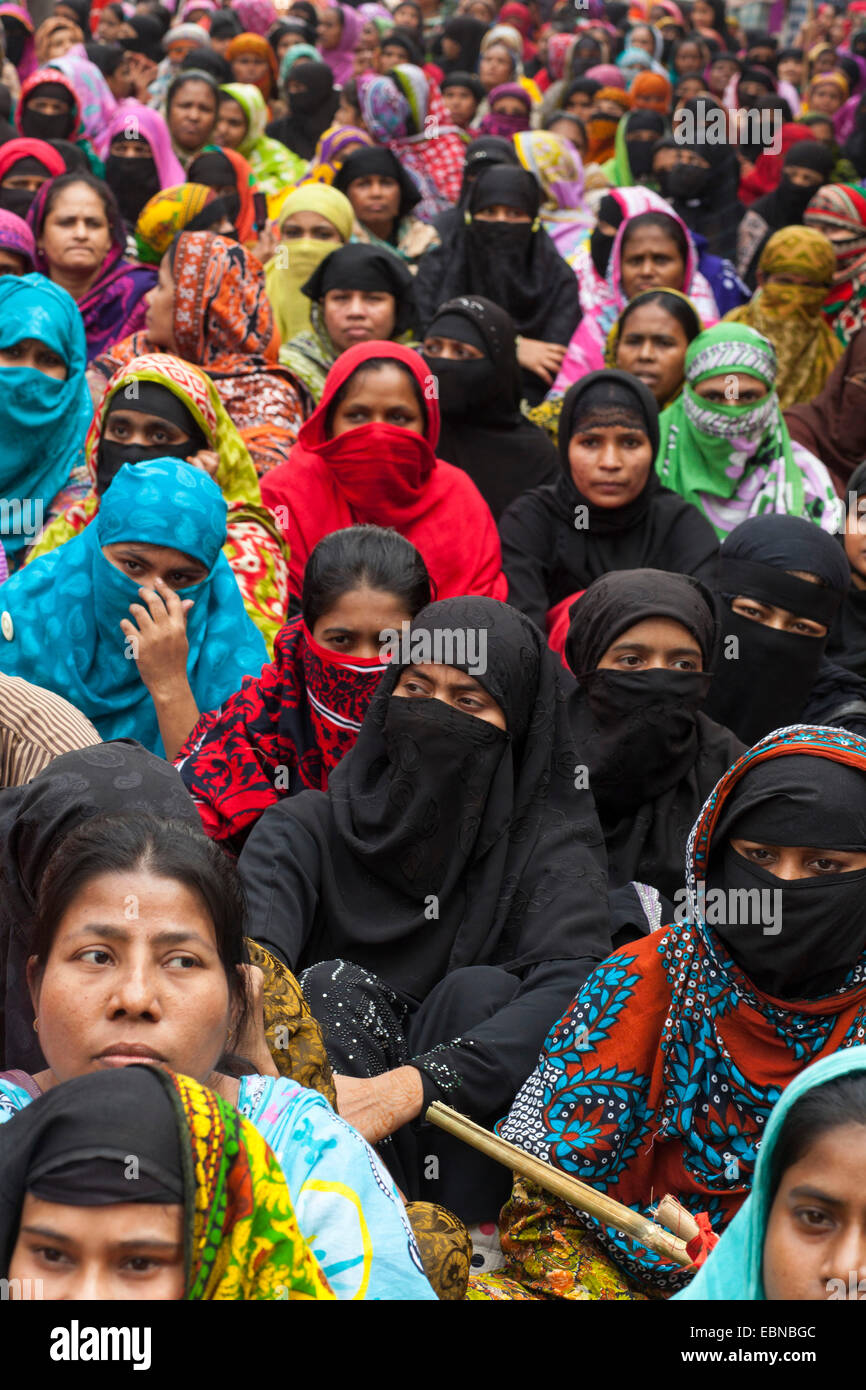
734 1269
304 51
42 421
61 624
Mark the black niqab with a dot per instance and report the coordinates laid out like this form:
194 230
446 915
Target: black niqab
310 111
150 399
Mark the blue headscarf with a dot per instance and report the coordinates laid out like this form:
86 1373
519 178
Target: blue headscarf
61 624
734 1270
42 421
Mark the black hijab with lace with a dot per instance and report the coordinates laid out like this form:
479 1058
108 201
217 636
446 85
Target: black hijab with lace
653 757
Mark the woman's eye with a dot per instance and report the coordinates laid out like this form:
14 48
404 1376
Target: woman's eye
182 962
50 1254
812 1218
140 1264
133 566
629 660
96 956
685 665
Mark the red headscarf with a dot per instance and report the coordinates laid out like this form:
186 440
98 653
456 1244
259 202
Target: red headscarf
650 91
767 173
388 476
25 148
254 43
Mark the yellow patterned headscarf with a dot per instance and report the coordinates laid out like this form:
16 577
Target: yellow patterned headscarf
166 214
791 315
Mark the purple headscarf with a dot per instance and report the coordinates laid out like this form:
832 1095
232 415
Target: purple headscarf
496 123
151 126
607 74
29 62
114 306
256 16
16 236
341 59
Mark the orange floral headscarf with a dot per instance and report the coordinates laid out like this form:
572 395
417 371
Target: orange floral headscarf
223 317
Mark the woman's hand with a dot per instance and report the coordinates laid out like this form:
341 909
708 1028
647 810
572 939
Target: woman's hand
159 643
252 1042
160 650
544 359
379 1105
208 460
266 245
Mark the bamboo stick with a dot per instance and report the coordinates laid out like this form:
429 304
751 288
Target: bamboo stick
578 1194
675 1218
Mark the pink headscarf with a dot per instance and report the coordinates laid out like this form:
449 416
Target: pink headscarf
29 61
256 16
607 75
151 126
340 59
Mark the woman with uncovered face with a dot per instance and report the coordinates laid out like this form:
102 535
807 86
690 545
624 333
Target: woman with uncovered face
119 994
383 197
606 512
290 728
191 113
367 455
486 754
650 340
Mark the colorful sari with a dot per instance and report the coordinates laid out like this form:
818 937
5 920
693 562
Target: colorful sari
224 323
557 167
164 215
274 166
405 112
254 547
835 206
662 1074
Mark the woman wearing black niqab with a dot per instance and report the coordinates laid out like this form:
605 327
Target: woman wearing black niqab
557 539
483 430
773 670
513 263
706 197
847 641
448 890
652 755
465 30
311 111
481 153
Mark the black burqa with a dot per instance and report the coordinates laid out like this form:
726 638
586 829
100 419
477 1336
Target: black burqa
486 151
310 111
468 32
555 542
106 779
73 1146
847 642
513 263
443 845
784 207
653 756
769 678
806 801
713 208
483 430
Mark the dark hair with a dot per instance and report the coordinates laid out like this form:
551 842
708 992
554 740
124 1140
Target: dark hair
207 60
68 180
349 93
363 557
192 75
839 1102
664 222
373 364
168 849
685 314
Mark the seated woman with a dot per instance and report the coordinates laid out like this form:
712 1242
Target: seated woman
781 584
456 807
311 102
44 407
606 511
345 1203
795 272
367 454
17 247
806 166
509 107
231 178
636 137
501 252
25 165
724 443
643 646
404 111
189 206
152 553
650 340
357 294
195 1155
699 1027
383 196
313 221
839 211
832 426
651 250
790 1239
159 407
847 642
226 327
462 94
140 160
80 244
241 126
191 113
253 61
288 729
557 167
50 108
469 347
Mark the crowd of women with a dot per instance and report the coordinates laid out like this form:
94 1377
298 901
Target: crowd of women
432 648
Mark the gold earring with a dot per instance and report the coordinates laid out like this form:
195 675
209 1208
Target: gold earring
36 1025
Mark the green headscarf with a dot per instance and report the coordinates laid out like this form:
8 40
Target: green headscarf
734 1269
274 166
731 461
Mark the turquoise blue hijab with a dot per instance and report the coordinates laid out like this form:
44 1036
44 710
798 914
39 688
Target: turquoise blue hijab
42 421
61 624
734 1268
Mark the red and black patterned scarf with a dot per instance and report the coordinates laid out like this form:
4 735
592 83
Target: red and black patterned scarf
277 735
